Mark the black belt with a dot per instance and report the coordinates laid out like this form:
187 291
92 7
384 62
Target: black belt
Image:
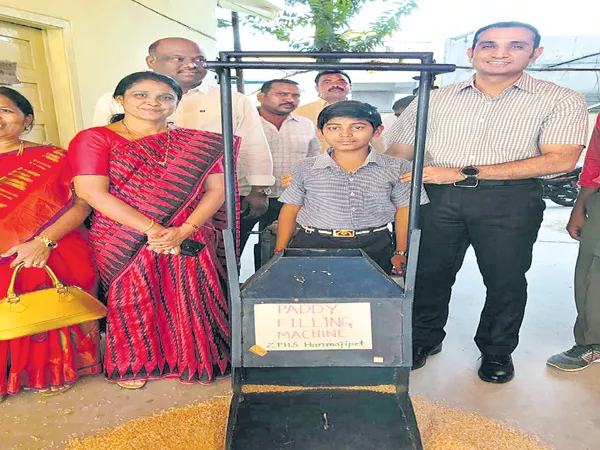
474 183
343 233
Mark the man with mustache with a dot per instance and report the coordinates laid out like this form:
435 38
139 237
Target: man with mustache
332 86
200 108
489 140
290 138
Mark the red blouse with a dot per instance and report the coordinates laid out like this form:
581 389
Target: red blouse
89 152
591 167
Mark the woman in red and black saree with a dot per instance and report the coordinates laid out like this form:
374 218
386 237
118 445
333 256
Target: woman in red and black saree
41 223
153 188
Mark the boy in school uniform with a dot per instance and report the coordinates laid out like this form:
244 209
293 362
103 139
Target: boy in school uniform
346 197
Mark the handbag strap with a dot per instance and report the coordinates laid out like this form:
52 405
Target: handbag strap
11 297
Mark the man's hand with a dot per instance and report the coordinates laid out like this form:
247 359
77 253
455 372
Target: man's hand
256 203
436 175
286 180
576 223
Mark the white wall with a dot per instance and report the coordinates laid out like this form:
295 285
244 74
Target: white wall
109 38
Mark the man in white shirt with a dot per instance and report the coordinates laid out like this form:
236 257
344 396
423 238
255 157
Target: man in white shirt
200 109
399 105
290 138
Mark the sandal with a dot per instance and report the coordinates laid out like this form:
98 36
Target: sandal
132 384
55 390
223 377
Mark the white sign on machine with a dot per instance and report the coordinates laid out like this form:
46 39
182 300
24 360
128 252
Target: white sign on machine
313 326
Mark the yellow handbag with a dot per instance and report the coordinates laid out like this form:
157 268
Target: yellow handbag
46 309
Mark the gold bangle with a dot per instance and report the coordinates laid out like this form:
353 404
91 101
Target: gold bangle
194 226
47 242
400 253
152 223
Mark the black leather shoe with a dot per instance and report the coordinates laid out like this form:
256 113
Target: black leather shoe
496 368
420 355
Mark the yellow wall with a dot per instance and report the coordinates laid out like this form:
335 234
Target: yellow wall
100 41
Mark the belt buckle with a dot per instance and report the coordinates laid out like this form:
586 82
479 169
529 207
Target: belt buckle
344 233
468 179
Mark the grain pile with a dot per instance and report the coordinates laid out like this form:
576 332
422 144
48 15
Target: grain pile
444 428
202 427
198 427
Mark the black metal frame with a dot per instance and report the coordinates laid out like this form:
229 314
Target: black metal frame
427 69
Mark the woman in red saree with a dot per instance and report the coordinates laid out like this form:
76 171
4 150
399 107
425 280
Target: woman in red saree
41 223
152 187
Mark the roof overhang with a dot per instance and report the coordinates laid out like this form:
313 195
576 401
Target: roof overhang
266 9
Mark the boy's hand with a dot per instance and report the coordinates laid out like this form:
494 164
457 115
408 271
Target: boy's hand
398 264
286 180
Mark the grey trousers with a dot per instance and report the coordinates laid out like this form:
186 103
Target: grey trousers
587 277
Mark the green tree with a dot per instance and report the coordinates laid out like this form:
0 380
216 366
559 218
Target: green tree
327 24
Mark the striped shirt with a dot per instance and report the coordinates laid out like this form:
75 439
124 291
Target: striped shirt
333 199
468 127
296 139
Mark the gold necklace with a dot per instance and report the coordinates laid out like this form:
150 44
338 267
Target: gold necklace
21 148
162 163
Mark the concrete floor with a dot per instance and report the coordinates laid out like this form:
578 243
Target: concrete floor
562 409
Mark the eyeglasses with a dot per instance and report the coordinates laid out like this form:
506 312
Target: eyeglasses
182 60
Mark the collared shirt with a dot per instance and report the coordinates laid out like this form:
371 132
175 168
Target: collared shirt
388 121
333 199
200 109
467 127
379 142
590 175
296 139
311 111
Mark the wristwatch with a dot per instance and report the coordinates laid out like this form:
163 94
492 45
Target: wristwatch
470 172
46 241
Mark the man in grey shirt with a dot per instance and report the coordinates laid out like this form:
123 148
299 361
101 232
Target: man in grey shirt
489 139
